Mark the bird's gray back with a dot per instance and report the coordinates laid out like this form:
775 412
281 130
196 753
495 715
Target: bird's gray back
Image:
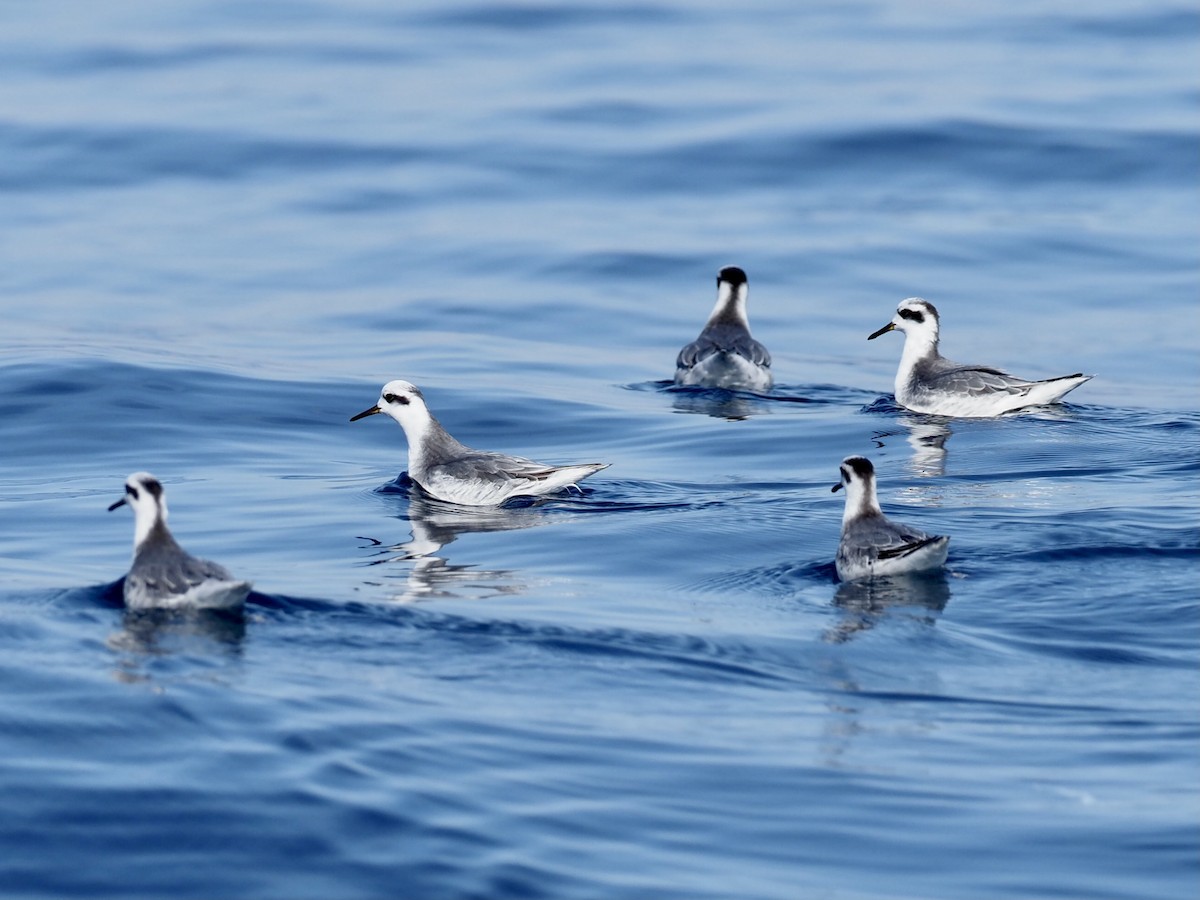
162 568
868 537
723 338
490 467
940 374
439 447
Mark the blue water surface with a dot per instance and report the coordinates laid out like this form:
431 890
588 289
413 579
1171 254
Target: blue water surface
224 226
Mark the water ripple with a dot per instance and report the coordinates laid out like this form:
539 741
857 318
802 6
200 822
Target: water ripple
58 159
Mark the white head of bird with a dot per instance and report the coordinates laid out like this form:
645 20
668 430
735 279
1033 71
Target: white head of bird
144 495
858 478
732 288
918 320
404 402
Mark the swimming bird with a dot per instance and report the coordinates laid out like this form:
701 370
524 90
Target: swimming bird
163 574
454 472
725 355
927 382
871 544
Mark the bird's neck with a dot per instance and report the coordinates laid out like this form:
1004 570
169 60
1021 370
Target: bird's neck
918 346
426 440
860 501
147 521
730 308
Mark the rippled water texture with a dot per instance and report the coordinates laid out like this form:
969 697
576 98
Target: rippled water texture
224 226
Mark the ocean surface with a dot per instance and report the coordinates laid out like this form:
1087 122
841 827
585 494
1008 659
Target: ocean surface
224 226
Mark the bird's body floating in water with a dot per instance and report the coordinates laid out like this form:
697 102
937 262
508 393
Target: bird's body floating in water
725 355
164 575
453 472
927 382
873 545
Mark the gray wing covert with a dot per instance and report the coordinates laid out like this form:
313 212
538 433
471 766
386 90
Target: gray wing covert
694 352
977 381
162 575
723 339
878 538
493 468
754 351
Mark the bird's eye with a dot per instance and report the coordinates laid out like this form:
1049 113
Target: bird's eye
132 491
389 398
912 315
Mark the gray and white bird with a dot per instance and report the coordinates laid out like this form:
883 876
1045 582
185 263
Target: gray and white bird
451 471
163 575
873 545
927 382
725 355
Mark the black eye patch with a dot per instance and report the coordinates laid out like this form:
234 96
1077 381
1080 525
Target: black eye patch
396 398
912 315
132 491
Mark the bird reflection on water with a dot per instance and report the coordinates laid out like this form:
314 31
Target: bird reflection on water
718 402
150 634
927 436
863 604
434 525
